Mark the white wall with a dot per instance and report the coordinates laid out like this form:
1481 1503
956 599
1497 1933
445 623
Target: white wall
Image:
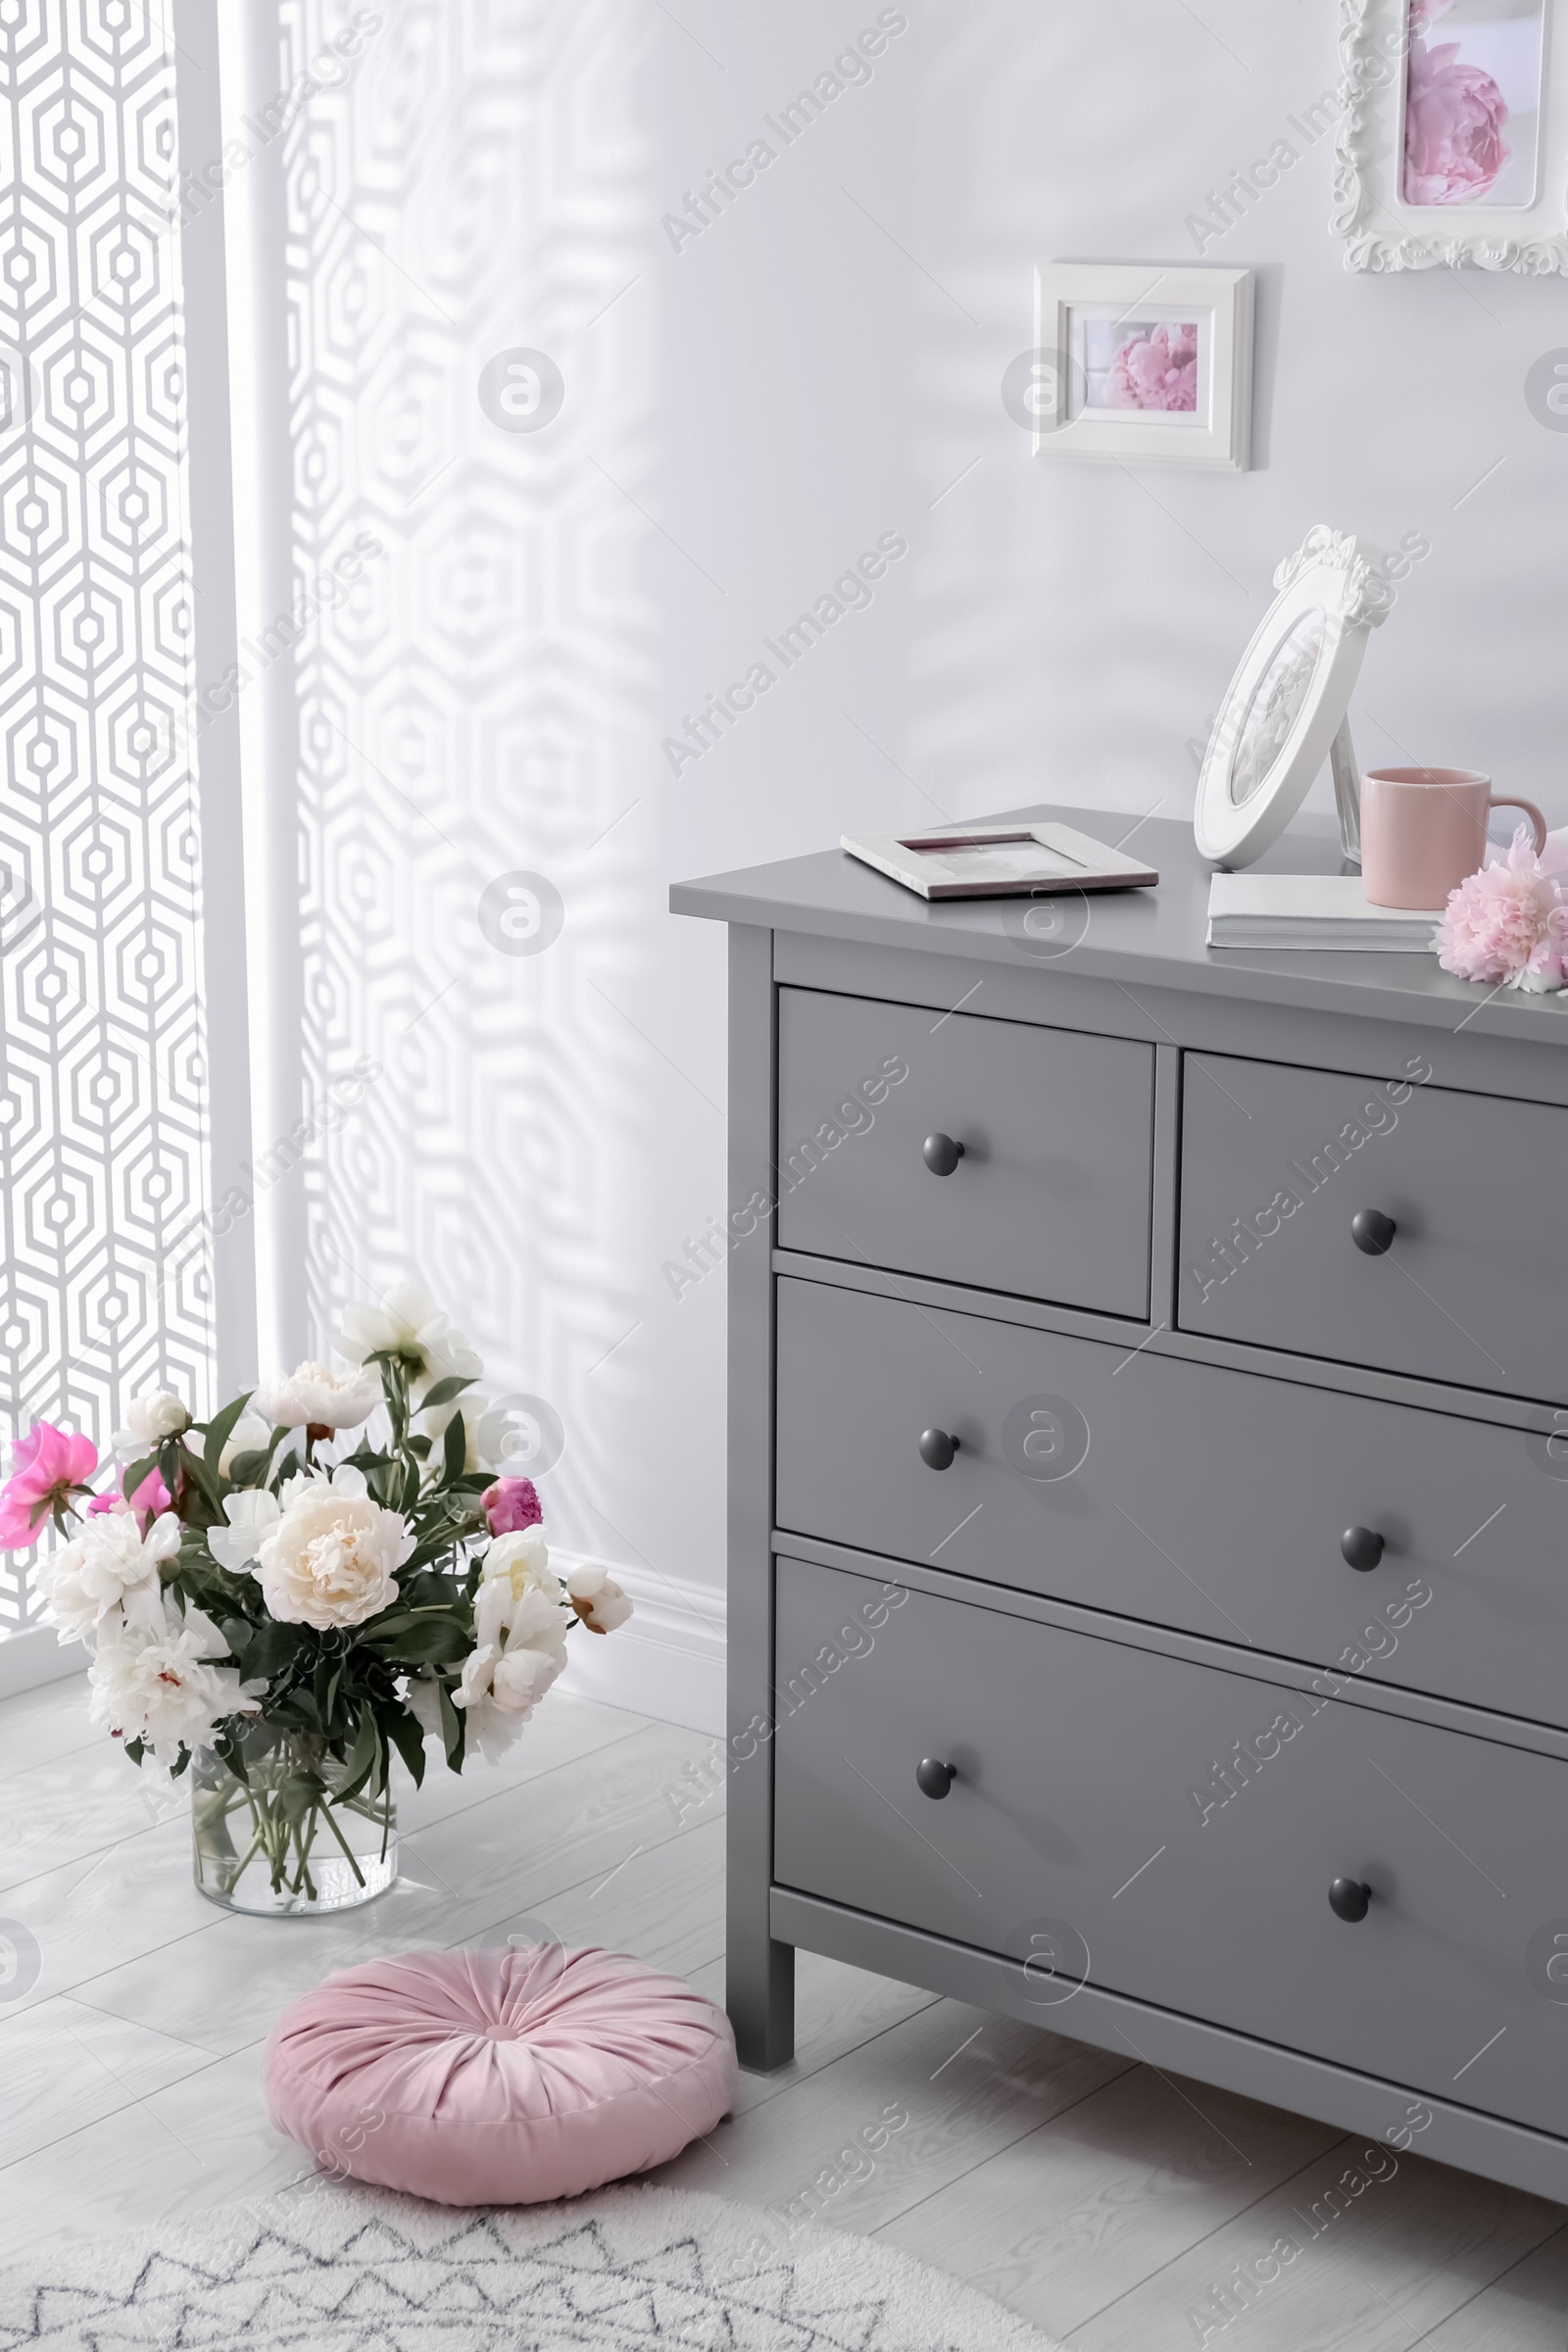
813 371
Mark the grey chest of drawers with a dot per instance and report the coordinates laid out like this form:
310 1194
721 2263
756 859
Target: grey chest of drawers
1149 1494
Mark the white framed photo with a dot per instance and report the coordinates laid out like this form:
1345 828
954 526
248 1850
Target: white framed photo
1453 144
1285 710
999 862
1143 365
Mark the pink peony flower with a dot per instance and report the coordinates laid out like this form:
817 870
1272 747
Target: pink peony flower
150 1501
1156 372
511 1505
46 1466
1454 114
1508 925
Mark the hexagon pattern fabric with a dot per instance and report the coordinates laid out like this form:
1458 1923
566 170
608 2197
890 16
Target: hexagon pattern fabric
479 826
102 1099
499 2076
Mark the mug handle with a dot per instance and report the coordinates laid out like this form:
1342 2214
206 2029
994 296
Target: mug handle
1530 809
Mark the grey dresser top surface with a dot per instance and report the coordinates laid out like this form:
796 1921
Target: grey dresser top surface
1152 937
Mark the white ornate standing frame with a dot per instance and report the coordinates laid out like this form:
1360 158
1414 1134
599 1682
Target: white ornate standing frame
1332 592
1381 230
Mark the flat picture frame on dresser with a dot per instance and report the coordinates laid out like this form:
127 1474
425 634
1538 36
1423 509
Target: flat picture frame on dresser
1142 364
1410 192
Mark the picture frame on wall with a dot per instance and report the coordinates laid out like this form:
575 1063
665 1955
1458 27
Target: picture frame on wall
1452 140
1142 363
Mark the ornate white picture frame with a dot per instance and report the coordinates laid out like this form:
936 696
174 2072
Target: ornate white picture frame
1492 193
1138 362
1285 710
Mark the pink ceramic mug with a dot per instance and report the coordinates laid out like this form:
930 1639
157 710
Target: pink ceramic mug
1424 829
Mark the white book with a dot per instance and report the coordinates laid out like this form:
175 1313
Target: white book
1313 910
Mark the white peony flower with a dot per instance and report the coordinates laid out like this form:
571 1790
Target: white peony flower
487 1428
406 1322
248 1434
520 1648
252 1514
597 1599
86 1581
148 1419
311 1394
152 1677
522 1559
331 1558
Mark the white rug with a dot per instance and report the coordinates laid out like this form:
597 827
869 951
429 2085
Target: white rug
341 2268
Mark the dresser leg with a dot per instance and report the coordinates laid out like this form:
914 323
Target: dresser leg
760 1993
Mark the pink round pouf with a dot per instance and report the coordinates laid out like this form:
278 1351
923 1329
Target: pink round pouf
499 2077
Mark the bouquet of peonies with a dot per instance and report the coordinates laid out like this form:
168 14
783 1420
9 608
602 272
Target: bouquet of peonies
292 1621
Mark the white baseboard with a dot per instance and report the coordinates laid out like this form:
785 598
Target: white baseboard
36 1656
667 1661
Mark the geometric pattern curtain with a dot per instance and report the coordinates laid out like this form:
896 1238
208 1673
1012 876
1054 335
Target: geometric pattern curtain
469 702
103 1141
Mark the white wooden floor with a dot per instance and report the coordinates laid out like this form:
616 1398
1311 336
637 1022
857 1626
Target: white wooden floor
1101 2199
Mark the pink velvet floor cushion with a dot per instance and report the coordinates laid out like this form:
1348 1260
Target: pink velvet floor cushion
499 2077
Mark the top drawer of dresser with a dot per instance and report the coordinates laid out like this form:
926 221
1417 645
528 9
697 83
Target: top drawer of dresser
1051 1198
1278 1163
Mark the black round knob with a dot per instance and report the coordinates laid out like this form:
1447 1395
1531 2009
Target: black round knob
941 1155
1349 1898
934 1777
1362 1548
1372 1232
937 1448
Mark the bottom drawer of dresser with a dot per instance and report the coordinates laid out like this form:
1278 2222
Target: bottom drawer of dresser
1099 1827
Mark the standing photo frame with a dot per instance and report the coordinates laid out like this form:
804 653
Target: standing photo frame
1286 711
1452 142
1140 363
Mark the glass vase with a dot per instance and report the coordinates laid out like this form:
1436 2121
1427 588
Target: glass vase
283 1843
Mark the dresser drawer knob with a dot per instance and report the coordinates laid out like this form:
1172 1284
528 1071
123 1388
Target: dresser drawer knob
1372 1232
1350 1898
941 1155
934 1777
937 1448
1362 1548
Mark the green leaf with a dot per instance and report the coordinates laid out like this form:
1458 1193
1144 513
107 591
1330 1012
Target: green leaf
198 1475
431 1589
434 1641
247 1469
220 1429
454 1449
362 1755
443 1393
298 1793
439 1541
404 1731
136 1472
275 1647
136 1749
454 1728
